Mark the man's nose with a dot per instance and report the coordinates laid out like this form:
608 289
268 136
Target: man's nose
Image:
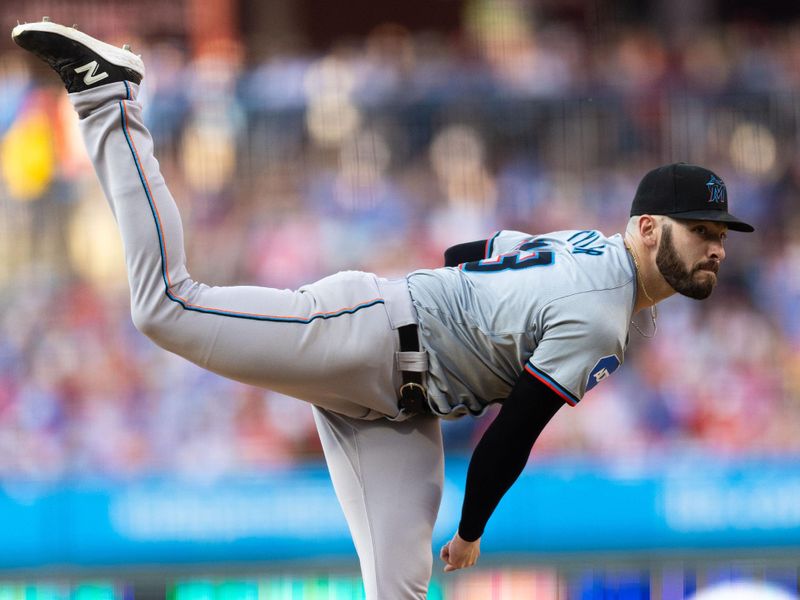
717 251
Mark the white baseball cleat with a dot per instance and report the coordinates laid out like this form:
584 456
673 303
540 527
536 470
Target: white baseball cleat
81 60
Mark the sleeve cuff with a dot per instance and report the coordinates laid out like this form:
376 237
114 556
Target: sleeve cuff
468 535
551 383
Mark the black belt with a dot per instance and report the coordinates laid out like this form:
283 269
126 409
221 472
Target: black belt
413 397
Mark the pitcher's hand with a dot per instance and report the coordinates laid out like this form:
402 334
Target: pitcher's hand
460 554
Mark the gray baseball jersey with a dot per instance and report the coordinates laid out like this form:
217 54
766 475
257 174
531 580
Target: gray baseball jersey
568 328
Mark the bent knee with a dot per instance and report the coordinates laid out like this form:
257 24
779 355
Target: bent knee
153 321
171 327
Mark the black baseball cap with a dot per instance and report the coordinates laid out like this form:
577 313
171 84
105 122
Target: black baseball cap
685 191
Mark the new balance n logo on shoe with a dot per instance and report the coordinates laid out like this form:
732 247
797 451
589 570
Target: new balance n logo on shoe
91 76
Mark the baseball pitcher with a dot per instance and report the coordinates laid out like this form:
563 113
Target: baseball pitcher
530 321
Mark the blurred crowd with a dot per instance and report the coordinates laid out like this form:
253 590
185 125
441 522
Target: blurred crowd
378 155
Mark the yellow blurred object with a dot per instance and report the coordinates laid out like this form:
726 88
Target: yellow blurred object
753 148
72 156
208 156
94 243
332 115
27 156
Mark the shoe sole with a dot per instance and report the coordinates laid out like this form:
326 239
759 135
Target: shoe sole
116 56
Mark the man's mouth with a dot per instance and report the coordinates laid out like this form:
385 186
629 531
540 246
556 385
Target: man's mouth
710 266
710 271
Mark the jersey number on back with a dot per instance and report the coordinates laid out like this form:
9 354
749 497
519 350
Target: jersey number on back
529 254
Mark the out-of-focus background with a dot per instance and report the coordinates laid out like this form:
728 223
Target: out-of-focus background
302 137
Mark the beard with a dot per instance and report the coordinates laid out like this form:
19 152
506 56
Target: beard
681 279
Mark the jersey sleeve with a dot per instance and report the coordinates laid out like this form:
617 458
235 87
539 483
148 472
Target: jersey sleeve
504 241
583 343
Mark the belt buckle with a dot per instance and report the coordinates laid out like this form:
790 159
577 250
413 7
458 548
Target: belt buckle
413 397
412 385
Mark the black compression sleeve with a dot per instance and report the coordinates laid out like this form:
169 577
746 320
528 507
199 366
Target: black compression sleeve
503 451
466 252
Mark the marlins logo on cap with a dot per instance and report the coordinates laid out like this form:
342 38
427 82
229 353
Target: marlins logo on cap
716 190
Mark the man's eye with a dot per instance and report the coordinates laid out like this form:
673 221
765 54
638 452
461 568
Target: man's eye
701 230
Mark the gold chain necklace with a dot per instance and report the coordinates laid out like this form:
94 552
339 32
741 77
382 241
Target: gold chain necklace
640 279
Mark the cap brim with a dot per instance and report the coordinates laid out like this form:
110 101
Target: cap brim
715 215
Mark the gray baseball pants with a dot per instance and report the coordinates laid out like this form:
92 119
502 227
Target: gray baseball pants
332 343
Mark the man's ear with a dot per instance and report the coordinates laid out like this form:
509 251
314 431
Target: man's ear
649 230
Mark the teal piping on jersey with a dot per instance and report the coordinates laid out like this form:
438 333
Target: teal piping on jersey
185 304
490 244
552 384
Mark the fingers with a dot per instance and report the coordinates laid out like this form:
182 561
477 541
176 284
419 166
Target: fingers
448 567
455 563
444 554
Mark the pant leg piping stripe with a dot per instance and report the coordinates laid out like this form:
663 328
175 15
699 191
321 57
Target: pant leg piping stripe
278 319
185 304
146 186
